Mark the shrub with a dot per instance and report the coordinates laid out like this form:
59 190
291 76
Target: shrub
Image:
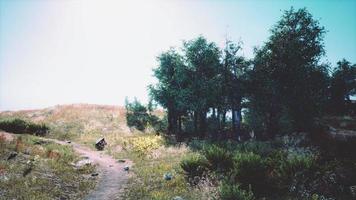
141 117
194 165
250 169
145 144
158 125
18 126
287 169
234 192
257 147
136 115
219 158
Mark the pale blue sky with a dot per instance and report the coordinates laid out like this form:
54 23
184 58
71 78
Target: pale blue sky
100 51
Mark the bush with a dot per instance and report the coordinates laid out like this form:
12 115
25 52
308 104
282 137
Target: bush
194 165
250 169
256 147
145 144
219 159
234 192
136 115
158 125
19 126
288 168
141 117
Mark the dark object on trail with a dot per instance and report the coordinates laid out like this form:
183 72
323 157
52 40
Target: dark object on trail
69 142
167 176
12 155
100 144
126 168
94 174
121 161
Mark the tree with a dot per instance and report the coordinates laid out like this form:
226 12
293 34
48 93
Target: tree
202 59
170 92
136 115
287 74
233 84
343 85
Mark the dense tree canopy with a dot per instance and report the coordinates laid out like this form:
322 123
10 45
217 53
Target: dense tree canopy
284 88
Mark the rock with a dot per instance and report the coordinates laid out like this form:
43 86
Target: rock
177 198
82 163
100 144
121 161
94 174
12 155
3 178
126 168
69 142
168 176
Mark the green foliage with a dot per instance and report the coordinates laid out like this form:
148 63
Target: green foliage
219 158
234 192
158 125
136 115
288 167
140 117
257 147
19 126
250 169
194 165
287 80
343 84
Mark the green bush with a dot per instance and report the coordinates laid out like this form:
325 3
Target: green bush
219 158
194 165
158 125
234 192
250 169
257 147
18 126
288 168
141 117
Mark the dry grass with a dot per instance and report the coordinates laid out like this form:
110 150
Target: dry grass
84 123
41 171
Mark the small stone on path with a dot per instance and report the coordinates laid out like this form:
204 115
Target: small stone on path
94 174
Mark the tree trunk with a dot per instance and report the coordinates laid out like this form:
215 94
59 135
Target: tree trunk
202 123
214 114
218 117
236 121
195 122
180 124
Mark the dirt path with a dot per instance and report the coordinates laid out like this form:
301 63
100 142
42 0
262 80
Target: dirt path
112 177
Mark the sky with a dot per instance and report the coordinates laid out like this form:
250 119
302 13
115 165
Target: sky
101 51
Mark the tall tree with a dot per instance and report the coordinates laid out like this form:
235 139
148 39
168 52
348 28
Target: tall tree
233 73
292 72
169 92
202 58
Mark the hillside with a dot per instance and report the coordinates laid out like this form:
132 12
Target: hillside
67 120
